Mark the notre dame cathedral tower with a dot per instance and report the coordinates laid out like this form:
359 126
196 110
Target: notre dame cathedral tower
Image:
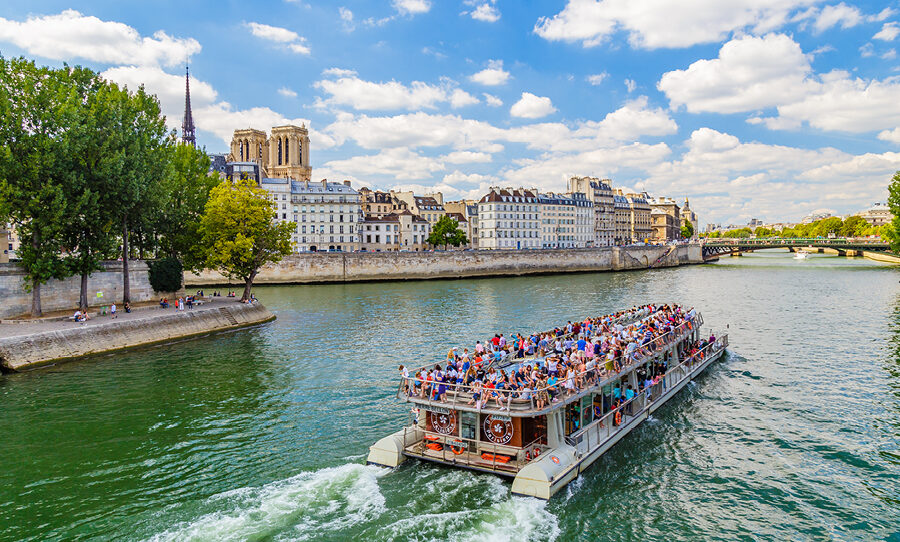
285 153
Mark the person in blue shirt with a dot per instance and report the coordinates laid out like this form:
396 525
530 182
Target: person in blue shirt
581 344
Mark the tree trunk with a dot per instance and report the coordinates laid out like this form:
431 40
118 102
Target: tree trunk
126 284
247 286
35 284
36 299
83 299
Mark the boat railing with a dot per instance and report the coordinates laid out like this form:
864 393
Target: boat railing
510 355
607 425
468 451
454 397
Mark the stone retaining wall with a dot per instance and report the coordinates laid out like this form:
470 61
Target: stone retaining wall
28 351
361 266
59 295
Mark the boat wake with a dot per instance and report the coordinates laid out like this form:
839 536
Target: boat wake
309 505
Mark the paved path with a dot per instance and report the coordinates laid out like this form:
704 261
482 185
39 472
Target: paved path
29 327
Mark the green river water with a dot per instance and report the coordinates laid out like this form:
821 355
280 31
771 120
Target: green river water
261 434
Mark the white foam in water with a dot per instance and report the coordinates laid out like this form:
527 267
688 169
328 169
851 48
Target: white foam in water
307 505
516 519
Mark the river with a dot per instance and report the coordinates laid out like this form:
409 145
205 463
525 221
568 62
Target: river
261 434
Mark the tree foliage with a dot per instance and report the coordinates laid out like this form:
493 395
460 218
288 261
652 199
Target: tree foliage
239 233
166 275
687 230
892 230
446 232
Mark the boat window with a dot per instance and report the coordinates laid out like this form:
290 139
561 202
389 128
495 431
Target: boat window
573 417
587 412
468 422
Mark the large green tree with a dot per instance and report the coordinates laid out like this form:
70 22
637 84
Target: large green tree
893 233
687 230
35 103
185 189
446 232
239 233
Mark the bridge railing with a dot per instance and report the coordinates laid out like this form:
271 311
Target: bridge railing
793 241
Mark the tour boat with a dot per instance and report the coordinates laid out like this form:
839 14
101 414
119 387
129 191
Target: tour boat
543 449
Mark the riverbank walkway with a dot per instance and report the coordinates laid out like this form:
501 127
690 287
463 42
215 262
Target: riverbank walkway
148 312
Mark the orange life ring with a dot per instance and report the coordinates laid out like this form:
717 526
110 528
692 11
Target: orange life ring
457 450
618 417
554 459
537 452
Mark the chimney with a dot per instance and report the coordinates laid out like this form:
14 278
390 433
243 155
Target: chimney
346 182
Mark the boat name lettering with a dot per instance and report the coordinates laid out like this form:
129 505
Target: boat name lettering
437 410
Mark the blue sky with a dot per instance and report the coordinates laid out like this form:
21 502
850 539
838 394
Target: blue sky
752 108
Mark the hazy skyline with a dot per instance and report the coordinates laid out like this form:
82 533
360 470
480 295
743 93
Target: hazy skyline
752 108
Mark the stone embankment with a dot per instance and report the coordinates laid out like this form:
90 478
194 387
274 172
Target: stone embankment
28 345
354 267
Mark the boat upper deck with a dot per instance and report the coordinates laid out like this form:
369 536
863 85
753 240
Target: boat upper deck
534 375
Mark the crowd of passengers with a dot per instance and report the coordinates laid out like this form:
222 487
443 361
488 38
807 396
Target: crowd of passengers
567 360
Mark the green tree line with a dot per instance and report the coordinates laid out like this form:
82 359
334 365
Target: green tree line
89 172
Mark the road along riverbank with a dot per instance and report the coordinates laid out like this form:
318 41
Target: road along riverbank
35 343
322 267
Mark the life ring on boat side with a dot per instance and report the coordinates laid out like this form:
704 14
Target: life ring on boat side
618 417
457 450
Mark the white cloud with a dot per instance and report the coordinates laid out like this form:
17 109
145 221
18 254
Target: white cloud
492 100
70 35
493 75
290 39
750 73
346 18
411 7
338 72
467 157
287 93
652 24
596 78
349 90
888 32
461 98
530 106
486 12
399 163
890 135
630 84
846 16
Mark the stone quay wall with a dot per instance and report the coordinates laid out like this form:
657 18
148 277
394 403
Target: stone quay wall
57 295
321 267
32 350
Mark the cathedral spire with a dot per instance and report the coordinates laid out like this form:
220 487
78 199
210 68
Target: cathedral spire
187 124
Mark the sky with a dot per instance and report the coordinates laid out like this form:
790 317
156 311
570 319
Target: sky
766 109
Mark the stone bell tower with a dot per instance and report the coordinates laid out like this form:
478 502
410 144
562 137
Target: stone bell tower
289 153
249 146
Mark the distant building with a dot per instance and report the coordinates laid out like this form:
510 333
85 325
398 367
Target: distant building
394 232
816 215
284 154
243 170
878 214
326 215
9 243
638 217
688 215
665 220
622 219
566 220
599 192
509 219
376 202
430 206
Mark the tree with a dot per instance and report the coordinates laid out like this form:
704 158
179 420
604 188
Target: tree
854 226
239 233
828 226
185 190
33 104
447 232
166 275
892 234
687 230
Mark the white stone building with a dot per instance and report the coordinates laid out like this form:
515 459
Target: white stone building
326 215
567 220
509 219
600 193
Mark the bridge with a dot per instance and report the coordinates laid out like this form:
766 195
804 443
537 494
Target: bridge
844 246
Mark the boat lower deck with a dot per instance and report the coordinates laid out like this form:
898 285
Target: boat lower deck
466 460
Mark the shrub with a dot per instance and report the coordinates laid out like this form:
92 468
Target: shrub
166 275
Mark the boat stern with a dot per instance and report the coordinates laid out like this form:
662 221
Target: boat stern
388 452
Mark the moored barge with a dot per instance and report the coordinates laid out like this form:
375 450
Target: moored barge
543 445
